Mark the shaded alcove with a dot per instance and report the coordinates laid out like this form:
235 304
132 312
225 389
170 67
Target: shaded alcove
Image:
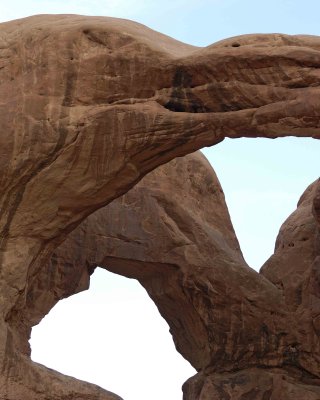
112 335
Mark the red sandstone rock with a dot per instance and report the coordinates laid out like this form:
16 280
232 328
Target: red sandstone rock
295 270
173 233
88 106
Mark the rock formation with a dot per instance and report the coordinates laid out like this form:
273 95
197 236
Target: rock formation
173 233
294 270
88 106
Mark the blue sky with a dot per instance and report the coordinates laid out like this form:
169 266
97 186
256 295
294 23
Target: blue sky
262 180
198 22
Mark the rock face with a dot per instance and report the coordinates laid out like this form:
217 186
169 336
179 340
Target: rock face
173 233
88 106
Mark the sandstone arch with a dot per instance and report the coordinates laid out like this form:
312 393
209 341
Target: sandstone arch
172 232
73 140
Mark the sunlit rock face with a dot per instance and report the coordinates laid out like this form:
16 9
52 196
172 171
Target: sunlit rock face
88 106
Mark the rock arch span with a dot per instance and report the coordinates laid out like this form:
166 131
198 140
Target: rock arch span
88 106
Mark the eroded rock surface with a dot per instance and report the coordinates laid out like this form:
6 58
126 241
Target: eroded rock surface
88 106
173 233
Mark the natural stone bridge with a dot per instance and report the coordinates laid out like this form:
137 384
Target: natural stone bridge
89 106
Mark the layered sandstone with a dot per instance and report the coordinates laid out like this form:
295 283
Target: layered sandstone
88 106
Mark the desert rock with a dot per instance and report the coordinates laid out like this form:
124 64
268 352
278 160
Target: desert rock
173 233
89 105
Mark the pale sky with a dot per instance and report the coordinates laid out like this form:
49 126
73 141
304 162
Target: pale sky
112 335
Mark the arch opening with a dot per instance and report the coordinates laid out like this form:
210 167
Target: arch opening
112 335
309 144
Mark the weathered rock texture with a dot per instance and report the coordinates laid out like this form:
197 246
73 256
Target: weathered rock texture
88 106
173 233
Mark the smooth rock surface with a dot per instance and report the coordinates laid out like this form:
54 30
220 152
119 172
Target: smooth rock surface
88 106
